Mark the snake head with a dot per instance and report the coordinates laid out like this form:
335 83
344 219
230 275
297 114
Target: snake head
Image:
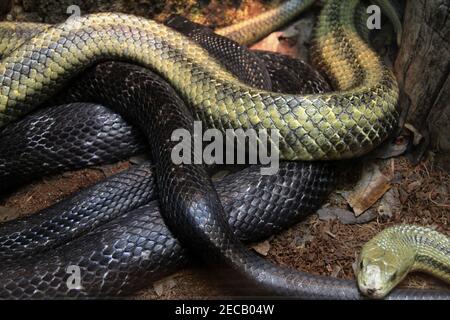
380 269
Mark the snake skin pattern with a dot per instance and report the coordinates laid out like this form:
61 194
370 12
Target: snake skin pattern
190 206
51 141
253 72
336 125
78 214
98 85
256 206
147 83
132 237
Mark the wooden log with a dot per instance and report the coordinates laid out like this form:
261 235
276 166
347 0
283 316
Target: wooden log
423 70
5 7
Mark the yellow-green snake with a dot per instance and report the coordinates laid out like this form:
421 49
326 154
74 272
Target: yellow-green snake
388 257
343 124
346 123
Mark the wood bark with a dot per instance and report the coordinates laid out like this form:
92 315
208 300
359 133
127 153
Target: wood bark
5 7
423 70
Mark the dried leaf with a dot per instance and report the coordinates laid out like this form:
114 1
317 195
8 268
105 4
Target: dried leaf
413 186
390 204
301 241
7 214
327 214
336 271
301 32
345 216
391 149
403 195
164 285
355 266
372 186
293 41
417 135
275 42
262 248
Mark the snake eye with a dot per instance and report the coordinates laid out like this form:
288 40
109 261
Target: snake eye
361 264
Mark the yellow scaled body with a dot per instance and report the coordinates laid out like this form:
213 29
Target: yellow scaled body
343 124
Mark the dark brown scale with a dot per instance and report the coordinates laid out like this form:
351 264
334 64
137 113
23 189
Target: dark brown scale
237 59
292 75
65 138
256 206
78 214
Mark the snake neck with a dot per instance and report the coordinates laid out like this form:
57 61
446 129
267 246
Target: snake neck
388 257
432 250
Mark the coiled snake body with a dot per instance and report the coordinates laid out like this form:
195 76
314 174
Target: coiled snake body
336 125
328 126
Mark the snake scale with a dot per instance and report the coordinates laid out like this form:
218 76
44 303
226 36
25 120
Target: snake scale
142 229
327 126
258 205
318 126
138 240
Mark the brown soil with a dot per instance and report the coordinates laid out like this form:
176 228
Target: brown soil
44 192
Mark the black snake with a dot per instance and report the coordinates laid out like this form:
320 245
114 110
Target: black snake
191 207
